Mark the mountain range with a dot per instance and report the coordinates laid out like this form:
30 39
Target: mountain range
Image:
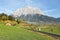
35 15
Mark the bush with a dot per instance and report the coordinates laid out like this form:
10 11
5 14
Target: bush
13 23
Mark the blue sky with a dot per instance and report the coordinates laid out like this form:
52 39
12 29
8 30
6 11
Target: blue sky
49 7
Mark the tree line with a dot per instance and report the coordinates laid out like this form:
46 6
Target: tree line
4 17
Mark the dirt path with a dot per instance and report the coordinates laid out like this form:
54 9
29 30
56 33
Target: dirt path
52 35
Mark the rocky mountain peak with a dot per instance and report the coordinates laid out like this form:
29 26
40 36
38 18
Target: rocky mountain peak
27 10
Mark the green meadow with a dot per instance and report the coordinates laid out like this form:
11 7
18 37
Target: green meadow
16 33
54 29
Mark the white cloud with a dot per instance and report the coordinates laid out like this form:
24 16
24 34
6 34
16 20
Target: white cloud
28 2
51 10
5 10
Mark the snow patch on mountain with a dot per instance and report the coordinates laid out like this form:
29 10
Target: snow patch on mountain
27 10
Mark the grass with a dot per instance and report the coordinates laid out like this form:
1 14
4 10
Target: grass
55 29
14 33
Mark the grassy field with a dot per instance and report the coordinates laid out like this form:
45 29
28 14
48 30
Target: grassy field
55 29
14 33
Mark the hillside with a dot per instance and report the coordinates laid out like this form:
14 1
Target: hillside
14 33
